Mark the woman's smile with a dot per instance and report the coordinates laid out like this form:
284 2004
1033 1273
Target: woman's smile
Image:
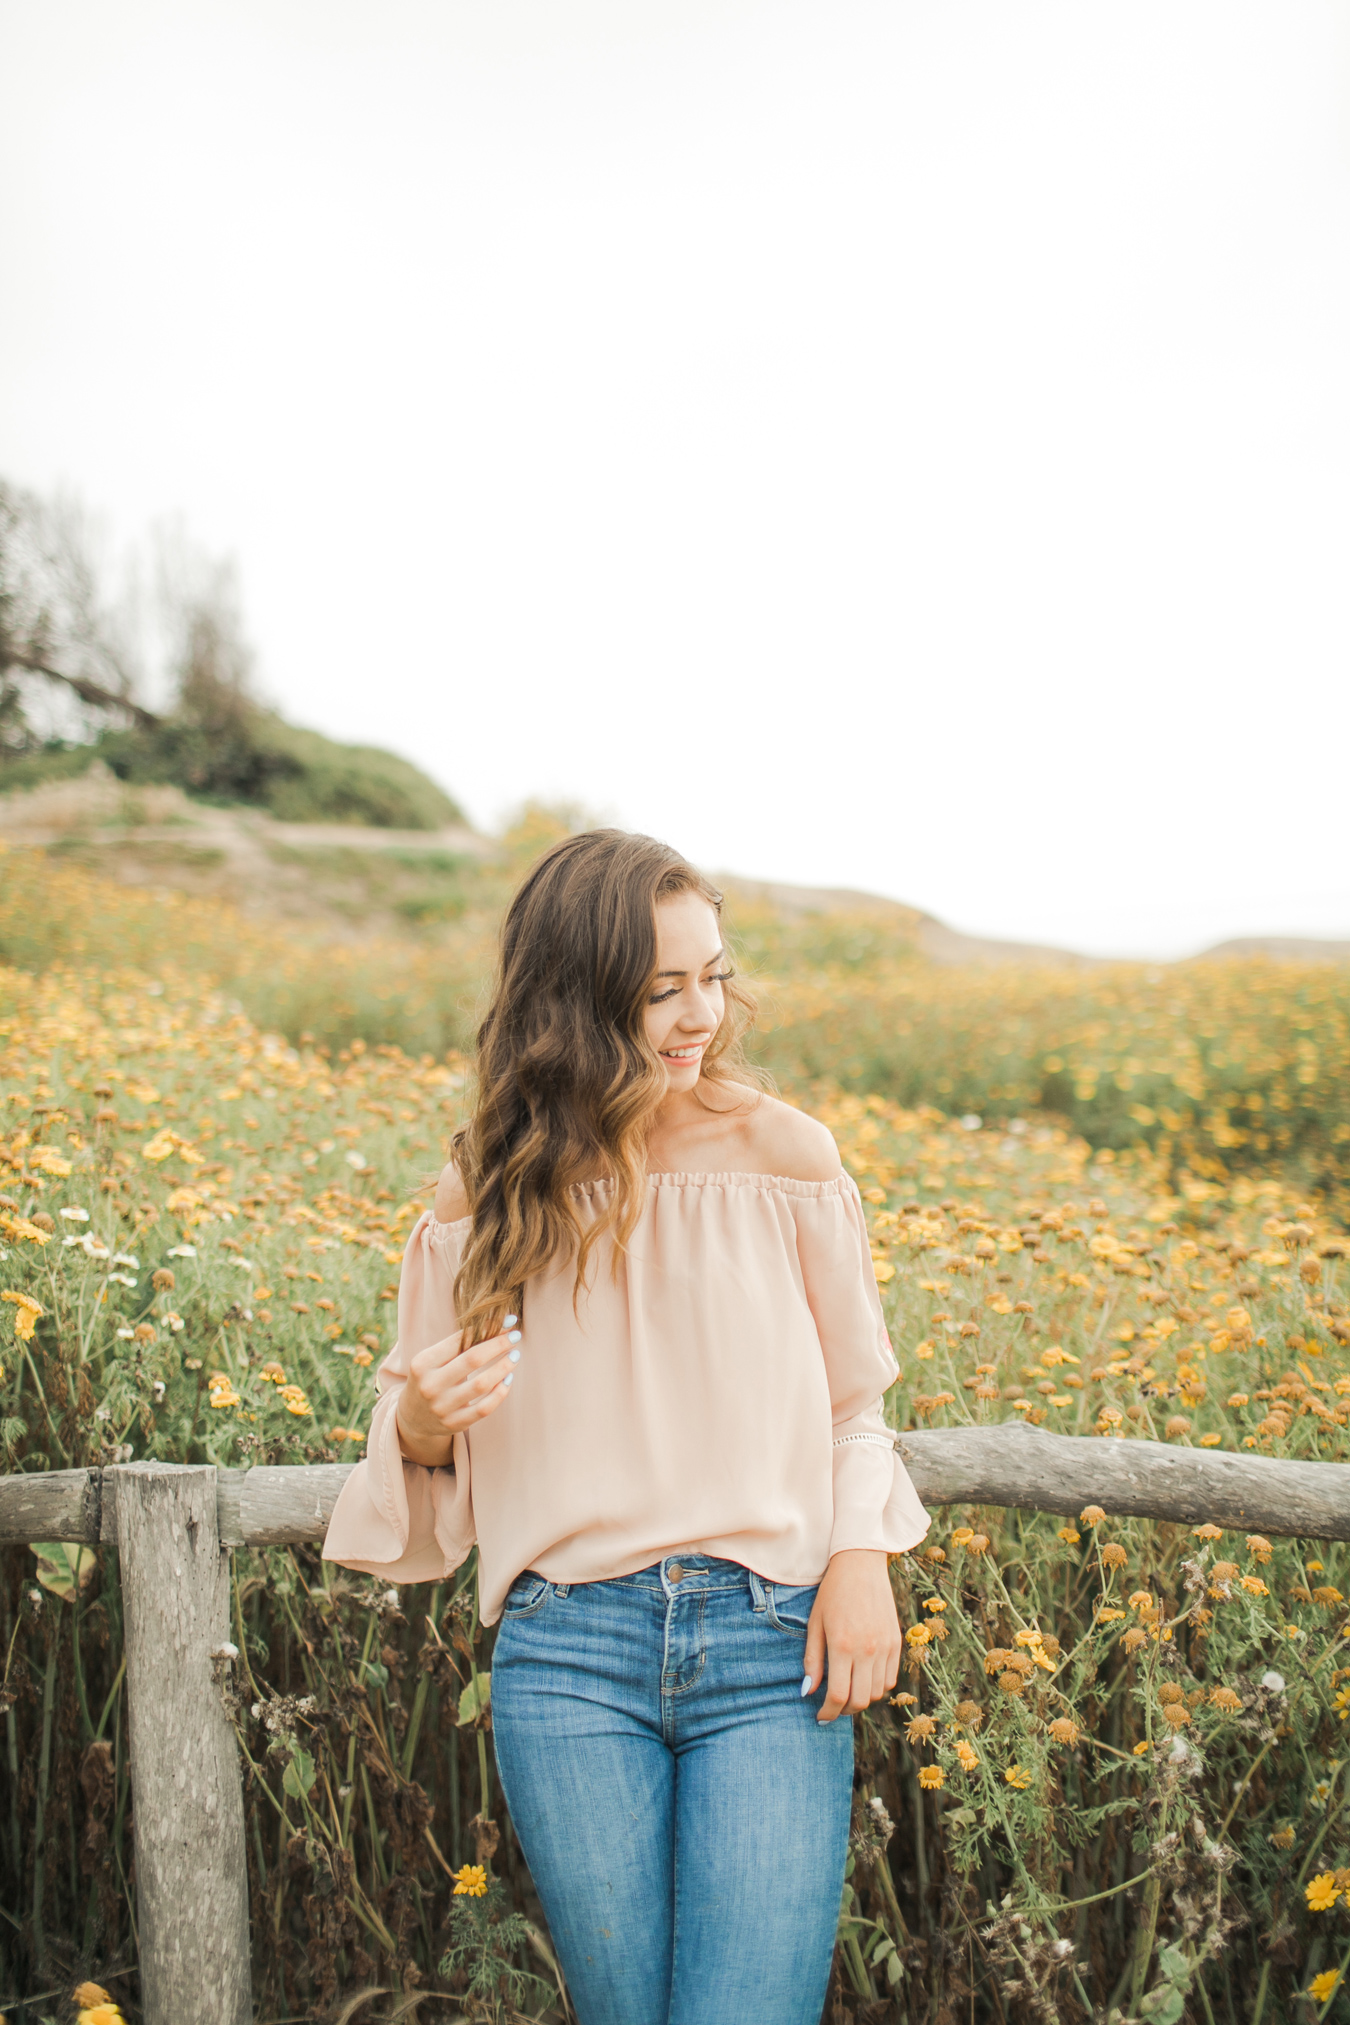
688 1053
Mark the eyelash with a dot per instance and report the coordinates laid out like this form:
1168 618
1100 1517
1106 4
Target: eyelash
722 977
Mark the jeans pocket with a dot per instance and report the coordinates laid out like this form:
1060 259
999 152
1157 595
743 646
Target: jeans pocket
528 1593
790 1608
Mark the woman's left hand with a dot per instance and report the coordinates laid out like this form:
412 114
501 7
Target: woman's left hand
853 1619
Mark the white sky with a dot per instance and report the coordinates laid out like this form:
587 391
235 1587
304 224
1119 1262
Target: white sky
901 445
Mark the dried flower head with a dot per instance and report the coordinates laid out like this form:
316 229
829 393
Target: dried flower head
969 1715
1258 1546
921 1730
1091 1515
1064 1731
1114 1555
1224 1698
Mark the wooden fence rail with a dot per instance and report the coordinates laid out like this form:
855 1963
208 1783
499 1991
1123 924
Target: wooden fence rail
175 1524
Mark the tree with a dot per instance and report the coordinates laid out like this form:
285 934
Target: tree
57 628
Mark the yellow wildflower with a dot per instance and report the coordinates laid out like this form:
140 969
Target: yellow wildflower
1207 1532
1323 1987
1323 1892
1254 1586
26 1321
932 1777
19 1227
969 1759
1017 1778
470 1881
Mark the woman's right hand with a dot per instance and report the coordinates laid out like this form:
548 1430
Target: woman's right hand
448 1388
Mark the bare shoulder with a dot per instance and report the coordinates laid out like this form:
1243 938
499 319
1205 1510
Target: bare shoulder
451 1201
793 1144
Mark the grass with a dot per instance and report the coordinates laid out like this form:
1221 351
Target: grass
1124 1737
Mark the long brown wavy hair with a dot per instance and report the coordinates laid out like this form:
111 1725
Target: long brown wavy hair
568 1082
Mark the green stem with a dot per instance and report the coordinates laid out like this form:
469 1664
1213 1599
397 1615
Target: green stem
1143 1953
420 1698
79 1667
375 1842
1261 1988
484 1790
1245 1783
12 1739
40 1818
1337 1987
112 1697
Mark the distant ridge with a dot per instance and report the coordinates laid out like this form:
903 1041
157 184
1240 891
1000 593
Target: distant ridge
930 937
1280 948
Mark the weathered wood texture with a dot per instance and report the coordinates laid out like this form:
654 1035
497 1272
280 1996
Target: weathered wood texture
1018 1465
1011 1464
187 1799
277 1503
59 1505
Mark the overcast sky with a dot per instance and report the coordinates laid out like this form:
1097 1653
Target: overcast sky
896 445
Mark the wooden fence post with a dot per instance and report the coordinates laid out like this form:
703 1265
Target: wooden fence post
187 1797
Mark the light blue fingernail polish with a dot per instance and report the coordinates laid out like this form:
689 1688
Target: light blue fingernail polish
514 1357
510 1320
514 1337
806 1685
508 1378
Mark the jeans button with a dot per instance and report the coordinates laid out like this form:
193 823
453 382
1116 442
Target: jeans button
675 1572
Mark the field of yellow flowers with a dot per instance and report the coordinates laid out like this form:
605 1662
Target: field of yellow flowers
1215 1068
1114 1778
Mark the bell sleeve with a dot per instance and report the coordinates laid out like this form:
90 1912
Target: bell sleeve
393 1517
875 1504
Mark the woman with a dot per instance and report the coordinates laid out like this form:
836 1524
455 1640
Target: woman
641 1362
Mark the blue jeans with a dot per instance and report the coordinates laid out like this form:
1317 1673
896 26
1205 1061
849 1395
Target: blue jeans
684 1816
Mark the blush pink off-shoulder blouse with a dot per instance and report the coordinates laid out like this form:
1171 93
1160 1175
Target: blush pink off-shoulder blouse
720 1392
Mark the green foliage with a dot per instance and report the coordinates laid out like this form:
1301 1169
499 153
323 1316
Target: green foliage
485 1937
255 758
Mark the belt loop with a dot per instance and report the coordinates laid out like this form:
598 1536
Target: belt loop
561 1589
757 1597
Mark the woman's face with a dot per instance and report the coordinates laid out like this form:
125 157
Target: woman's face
686 1004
